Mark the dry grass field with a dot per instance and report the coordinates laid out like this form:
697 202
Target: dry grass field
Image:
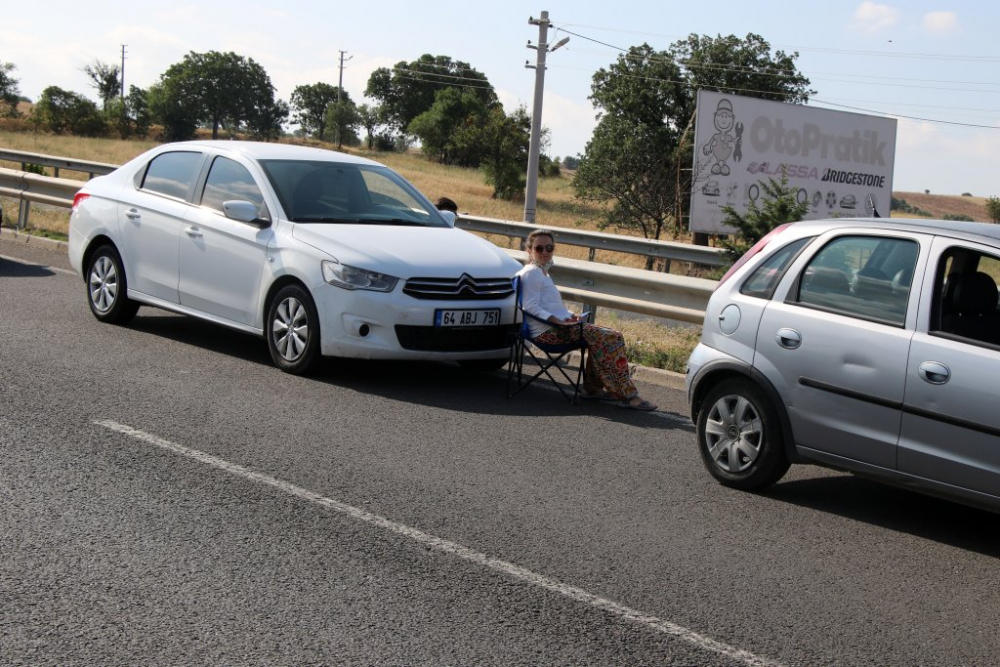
650 343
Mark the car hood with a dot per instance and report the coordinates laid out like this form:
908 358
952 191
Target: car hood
406 252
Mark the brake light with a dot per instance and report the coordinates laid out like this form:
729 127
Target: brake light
79 197
757 247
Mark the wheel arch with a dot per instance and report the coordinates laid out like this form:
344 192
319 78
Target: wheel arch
276 286
714 373
92 246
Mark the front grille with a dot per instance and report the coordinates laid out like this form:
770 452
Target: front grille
465 288
455 339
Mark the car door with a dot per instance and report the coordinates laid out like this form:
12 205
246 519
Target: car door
835 343
222 259
951 424
151 217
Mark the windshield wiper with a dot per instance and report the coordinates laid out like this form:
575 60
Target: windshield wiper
330 219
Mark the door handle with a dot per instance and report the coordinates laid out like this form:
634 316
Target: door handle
789 338
133 214
934 372
193 232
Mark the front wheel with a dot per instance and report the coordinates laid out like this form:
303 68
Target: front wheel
293 330
107 287
739 436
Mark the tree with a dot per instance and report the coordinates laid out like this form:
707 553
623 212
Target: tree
646 102
105 78
993 209
220 90
130 116
780 205
505 162
309 105
9 93
343 119
409 89
65 111
167 106
370 119
450 131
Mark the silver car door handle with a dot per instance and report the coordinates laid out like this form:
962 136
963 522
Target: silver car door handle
133 214
934 372
789 338
193 232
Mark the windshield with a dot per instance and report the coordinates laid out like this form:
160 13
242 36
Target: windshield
340 193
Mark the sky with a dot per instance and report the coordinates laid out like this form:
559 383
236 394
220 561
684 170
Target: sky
932 65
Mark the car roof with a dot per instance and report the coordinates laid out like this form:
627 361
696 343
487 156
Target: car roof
260 150
979 231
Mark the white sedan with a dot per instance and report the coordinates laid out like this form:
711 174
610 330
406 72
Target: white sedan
320 252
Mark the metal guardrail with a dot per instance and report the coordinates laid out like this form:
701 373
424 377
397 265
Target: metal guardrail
632 245
57 163
591 283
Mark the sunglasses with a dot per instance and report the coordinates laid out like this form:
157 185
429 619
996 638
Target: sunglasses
545 248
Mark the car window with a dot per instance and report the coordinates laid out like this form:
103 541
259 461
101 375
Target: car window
867 277
765 277
172 174
229 180
966 296
324 192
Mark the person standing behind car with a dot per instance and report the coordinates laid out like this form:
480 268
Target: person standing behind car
446 205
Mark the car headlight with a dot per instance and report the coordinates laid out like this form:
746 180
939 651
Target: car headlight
351 277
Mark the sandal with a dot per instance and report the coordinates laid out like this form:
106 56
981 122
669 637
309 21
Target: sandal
643 405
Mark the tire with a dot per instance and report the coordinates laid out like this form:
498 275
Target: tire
107 287
739 436
293 330
483 365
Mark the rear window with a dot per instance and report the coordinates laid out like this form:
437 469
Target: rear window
867 277
172 174
765 278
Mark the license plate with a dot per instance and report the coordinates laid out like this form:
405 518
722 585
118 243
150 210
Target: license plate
467 318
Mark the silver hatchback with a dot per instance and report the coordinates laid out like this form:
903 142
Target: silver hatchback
866 345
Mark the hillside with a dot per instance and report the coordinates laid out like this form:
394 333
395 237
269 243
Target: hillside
940 205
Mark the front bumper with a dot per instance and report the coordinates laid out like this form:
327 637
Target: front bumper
374 325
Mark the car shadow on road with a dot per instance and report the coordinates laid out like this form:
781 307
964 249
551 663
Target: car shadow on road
435 384
9 269
897 509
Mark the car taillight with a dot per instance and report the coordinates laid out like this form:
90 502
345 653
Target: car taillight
757 247
79 197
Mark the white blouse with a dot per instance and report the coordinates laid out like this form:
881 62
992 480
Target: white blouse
540 297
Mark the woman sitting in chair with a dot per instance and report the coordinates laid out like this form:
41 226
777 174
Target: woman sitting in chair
606 375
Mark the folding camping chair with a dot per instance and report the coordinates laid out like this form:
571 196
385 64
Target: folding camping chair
548 357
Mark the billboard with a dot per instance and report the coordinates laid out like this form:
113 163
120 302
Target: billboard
840 162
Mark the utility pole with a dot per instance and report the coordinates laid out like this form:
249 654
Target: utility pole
340 87
534 147
123 71
340 83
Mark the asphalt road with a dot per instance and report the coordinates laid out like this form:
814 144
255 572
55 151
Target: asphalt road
167 497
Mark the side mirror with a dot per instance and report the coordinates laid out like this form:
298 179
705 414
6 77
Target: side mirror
243 211
449 216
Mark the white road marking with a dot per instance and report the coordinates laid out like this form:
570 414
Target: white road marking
43 266
451 548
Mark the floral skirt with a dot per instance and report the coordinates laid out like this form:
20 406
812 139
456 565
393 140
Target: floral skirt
606 368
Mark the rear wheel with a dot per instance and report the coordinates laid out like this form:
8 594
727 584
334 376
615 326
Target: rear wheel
107 287
293 330
739 436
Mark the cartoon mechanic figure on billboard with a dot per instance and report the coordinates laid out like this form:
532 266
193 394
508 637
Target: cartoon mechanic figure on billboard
722 145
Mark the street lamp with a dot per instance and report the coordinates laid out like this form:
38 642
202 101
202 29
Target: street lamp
531 187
